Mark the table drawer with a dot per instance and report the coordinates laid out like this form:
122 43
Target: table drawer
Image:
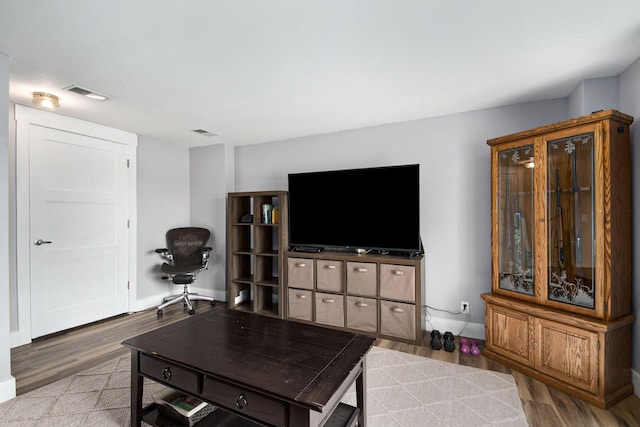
168 373
245 402
361 278
300 273
398 282
330 275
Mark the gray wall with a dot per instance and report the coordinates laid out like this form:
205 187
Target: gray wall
630 104
454 185
163 203
179 187
209 210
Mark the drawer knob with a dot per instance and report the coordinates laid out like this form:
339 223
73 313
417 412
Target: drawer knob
330 267
361 304
301 296
301 264
166 374
397 310
361 270
241 402
329 300
398 272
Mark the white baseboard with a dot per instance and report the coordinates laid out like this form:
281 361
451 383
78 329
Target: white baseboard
635 380
7 389
471 330
18 338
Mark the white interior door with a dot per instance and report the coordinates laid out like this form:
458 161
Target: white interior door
78 229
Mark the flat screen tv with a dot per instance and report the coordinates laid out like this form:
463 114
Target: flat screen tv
372 209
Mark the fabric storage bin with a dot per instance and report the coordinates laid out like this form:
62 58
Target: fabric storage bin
300 272
330 309
330 275
398 282
362 314
397 319
361 278
300 304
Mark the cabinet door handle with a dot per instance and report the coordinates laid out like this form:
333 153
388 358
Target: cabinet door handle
166 374
301 296
361 304
361 270
330 267
329 300
300 264
241 402
398 272
397 310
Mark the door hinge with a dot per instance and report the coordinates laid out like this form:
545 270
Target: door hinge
128 285
128 224
604 304
598 345
128 163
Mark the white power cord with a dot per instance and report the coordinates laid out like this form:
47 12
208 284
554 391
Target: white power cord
455 313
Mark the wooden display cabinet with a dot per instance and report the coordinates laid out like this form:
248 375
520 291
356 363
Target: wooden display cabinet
560 306
257 240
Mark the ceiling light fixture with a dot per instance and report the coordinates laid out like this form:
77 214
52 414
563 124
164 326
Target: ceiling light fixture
45 100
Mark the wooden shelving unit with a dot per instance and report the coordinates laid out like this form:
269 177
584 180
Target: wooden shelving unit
380 295
256 243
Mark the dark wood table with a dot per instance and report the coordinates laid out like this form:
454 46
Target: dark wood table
259 370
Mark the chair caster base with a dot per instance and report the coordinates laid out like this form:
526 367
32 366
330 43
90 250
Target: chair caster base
213 302
159 313
192 311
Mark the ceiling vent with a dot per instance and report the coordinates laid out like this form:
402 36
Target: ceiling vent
204 132
86 92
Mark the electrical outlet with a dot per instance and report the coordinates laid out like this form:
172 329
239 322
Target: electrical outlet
464 307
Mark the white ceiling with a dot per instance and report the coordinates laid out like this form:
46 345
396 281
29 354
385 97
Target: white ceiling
261 70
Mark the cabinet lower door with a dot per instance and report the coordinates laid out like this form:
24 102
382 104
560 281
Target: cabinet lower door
510 333
567 353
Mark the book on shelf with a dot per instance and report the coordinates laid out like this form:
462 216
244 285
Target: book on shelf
181 403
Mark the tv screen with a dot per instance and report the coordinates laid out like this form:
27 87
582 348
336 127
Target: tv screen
372 208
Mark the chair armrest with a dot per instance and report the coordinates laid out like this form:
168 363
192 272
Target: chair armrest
205 256
164 253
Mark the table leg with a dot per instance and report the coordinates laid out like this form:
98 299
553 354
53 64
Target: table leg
361 394
136 390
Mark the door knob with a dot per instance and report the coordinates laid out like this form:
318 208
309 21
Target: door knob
41 242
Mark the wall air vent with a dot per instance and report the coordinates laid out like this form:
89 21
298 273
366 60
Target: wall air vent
86 92
204 132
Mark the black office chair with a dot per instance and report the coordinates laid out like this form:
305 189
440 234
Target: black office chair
187 255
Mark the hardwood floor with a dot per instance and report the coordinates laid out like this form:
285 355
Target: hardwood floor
57 356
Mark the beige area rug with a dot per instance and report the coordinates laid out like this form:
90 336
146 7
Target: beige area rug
402 390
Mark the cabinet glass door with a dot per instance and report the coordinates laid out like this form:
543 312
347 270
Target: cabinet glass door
515 199
570 208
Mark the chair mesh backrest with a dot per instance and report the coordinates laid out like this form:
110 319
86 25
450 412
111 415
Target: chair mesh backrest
185 244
